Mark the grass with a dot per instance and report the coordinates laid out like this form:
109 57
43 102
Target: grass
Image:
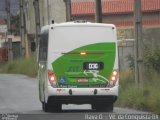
21 66
145 98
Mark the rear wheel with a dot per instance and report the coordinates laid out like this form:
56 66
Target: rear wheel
45 107
51 107
103 107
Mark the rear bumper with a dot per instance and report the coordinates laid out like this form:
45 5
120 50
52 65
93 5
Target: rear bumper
82 99
82 95
82 91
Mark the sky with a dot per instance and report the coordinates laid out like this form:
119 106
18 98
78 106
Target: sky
14 8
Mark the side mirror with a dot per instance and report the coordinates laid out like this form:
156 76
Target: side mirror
33 46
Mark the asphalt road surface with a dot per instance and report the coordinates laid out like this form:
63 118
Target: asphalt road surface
19 101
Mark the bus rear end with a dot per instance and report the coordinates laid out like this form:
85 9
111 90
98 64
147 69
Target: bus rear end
83 65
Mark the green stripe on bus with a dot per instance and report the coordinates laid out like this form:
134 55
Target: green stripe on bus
68 68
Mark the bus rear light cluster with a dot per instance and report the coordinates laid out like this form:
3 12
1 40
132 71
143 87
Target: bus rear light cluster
52 77
114 76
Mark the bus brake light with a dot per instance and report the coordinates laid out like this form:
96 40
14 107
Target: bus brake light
52 77
114 76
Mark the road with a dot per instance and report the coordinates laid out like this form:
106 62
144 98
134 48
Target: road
19 95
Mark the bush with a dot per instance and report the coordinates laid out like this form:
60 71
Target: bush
126 79
26 66
133 98
146 98
130 60
152 60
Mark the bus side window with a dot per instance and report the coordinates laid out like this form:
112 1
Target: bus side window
43 47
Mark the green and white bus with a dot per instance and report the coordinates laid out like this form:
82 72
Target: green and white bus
78 64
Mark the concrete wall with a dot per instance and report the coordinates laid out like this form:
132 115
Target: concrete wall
49 10
151 37
125 48
151 40
29 16
54 10
108 18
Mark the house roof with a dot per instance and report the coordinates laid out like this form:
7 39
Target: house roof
114 7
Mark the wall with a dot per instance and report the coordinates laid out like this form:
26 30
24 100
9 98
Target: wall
151 41
3 54
49 10
29 16
125 49
54 10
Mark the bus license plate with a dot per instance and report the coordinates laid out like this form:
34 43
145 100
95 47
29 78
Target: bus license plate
93 65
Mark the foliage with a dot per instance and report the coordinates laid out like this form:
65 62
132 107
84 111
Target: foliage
25 66
146 98
152 60
130 60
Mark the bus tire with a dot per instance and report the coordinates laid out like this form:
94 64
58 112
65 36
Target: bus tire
45 107
57 107
51 107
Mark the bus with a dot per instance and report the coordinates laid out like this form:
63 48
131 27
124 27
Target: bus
78 64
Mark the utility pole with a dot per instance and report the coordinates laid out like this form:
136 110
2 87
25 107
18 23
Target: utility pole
139 64
48 11
10 50
37 21
98 14
68 10
22 30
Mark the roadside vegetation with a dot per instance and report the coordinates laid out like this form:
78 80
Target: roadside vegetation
144 98
147 96
25 66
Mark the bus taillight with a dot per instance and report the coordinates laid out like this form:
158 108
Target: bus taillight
52 77
114 76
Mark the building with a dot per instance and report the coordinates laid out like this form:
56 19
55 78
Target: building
4 43
3 30
120 13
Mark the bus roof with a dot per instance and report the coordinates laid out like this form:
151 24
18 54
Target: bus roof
75 23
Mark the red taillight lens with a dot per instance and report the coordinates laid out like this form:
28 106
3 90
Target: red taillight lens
52 77
114 76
